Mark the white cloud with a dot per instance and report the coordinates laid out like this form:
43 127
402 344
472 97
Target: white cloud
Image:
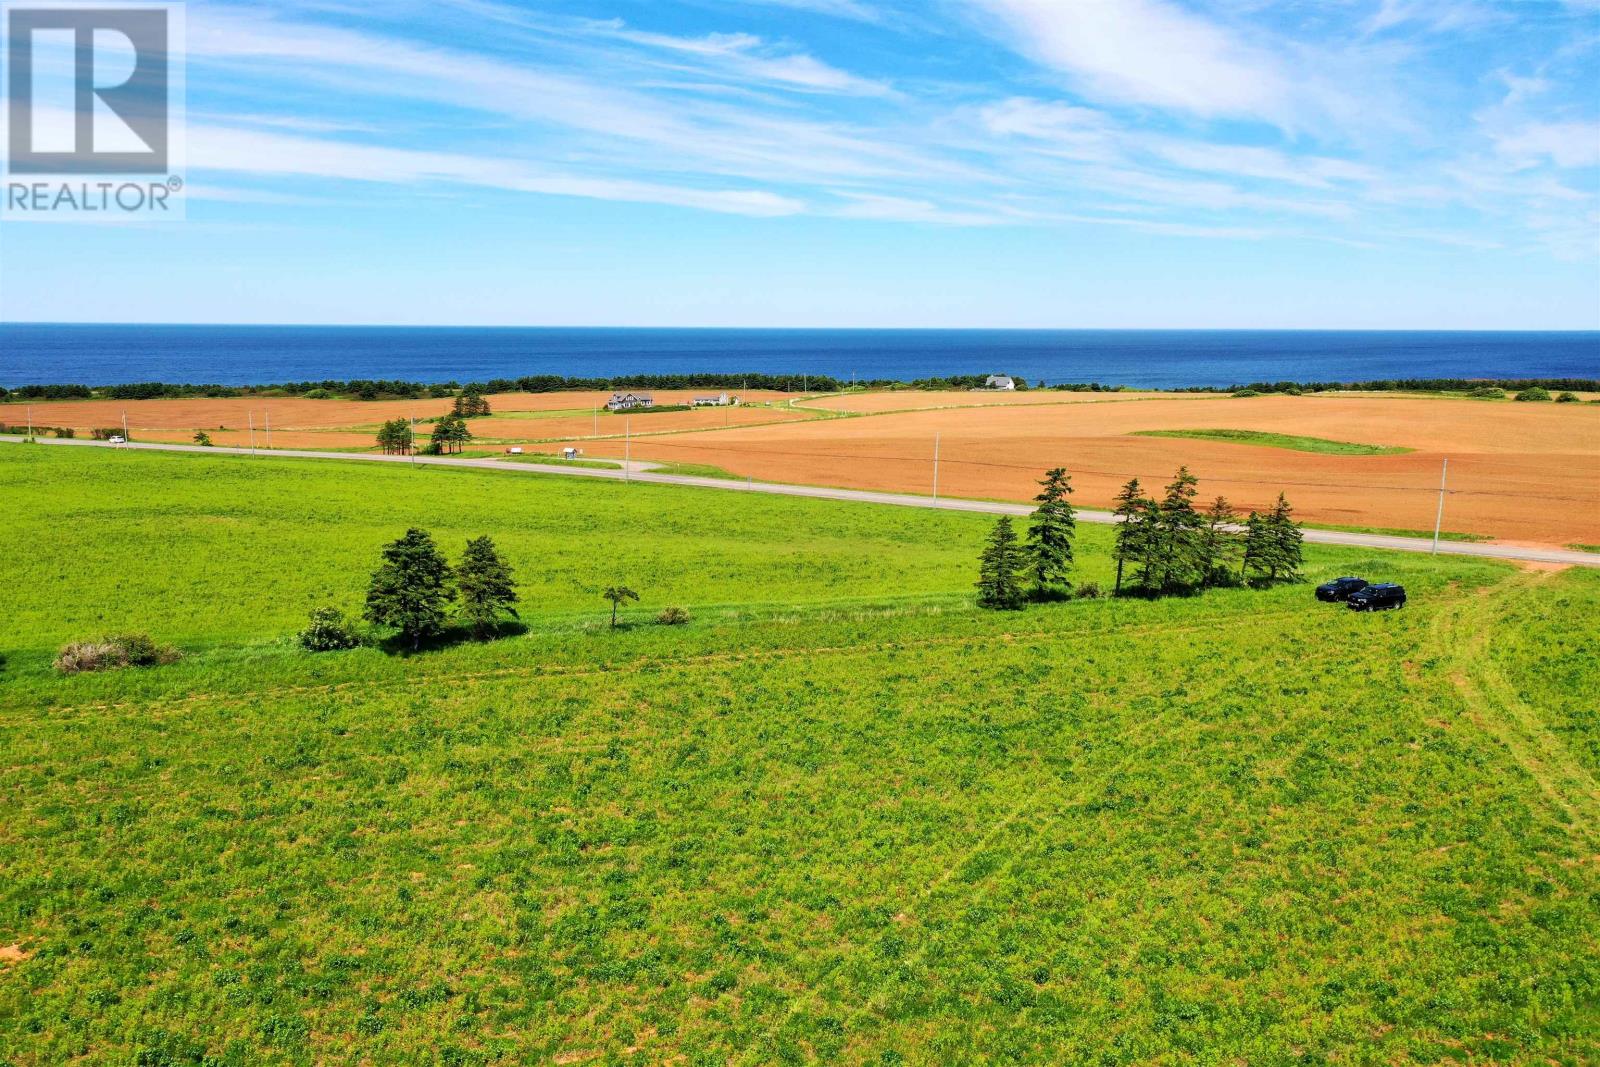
225 149
1566 144
749 58
1148 52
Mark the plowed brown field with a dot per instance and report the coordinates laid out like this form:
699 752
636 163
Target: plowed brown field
1524 471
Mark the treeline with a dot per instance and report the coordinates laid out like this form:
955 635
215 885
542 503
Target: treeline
359 389
1414 385
394 389
391 389
1164 546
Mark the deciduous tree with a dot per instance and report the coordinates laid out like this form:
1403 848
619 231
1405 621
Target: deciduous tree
617 594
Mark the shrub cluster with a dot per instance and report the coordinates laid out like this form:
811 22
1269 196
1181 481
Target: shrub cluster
328 631
673 616
114 653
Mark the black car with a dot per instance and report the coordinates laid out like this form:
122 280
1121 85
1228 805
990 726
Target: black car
1340 589
1378 597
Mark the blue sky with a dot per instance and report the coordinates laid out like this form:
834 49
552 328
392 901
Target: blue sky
1076 163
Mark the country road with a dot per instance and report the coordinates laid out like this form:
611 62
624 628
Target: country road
641 472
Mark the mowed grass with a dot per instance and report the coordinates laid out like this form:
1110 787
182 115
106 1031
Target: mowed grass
842 817
1292 442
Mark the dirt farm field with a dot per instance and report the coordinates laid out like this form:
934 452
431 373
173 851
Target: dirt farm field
1525 472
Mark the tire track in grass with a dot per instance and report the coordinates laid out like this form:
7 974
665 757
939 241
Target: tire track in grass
1136 737
1461 634
634 666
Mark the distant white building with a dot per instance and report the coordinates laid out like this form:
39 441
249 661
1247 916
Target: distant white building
1001 382
629 401
721 400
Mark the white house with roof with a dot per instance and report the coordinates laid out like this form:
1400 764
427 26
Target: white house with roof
720 400
1002 382
630 401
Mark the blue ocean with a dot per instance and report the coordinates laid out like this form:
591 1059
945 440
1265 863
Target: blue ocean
246 355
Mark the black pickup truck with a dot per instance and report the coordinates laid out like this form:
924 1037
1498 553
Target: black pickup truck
1378 597
1340 589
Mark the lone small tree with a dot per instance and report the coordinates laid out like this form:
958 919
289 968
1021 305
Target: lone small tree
1000 569
1133 527
487 589
618 594
411 588
1050 534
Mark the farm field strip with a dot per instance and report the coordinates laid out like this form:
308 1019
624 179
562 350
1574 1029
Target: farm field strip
1461 633
1010 637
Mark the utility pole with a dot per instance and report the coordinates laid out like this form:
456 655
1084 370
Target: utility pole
935 468
413 438
269 427
252 418
30 422
124 426
597 422
1438 521
627 448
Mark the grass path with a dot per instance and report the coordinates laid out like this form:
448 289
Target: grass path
1462 633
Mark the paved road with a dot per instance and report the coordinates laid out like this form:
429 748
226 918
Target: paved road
643 472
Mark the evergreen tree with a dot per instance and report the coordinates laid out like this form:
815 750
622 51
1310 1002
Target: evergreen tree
487 591
1133 527
1000 569
410 589
1177 534
1256 560
471 403
1050 534
1286 540
1219 542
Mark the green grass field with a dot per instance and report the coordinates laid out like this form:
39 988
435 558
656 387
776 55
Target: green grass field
841 817
1292 442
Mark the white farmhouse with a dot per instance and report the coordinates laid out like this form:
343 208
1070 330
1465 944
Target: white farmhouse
1001 382
629 401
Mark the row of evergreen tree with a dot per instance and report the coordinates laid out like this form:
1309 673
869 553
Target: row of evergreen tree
450 434
1163 545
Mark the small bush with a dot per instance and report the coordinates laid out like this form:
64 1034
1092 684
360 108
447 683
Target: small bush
202 439
114 653
1487 392
1534 393
1247 392
673 617
318 394
1567 398
1090 591
67 432
328 631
